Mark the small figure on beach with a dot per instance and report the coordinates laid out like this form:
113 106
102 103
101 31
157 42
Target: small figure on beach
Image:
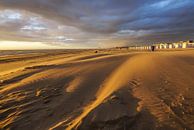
152 48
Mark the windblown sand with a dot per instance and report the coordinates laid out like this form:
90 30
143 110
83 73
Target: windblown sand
107 90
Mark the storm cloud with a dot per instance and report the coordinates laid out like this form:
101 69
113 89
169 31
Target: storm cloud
94 23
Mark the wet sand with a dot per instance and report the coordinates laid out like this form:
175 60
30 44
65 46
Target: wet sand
84 90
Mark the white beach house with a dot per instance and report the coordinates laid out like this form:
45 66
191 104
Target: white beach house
169 45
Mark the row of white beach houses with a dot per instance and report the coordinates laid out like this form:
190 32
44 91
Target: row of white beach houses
160 46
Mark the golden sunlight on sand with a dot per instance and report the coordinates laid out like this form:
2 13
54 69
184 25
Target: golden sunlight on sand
85 90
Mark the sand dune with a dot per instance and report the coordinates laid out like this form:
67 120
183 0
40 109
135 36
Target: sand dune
105 90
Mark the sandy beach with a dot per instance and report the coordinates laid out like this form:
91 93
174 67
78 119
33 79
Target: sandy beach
97 90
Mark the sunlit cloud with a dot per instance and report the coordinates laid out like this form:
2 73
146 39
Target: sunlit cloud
162 4
10 15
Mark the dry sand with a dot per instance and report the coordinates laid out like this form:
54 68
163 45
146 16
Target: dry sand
108 90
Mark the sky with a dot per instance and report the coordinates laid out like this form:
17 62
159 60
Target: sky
93 23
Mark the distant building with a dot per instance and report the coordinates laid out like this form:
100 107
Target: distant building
165 46
170 45
157 46
184 44
160 46
190 44
176 45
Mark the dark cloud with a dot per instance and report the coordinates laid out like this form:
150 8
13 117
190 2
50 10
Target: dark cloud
93 21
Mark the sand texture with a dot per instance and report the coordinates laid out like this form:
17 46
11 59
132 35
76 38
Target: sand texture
97 90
